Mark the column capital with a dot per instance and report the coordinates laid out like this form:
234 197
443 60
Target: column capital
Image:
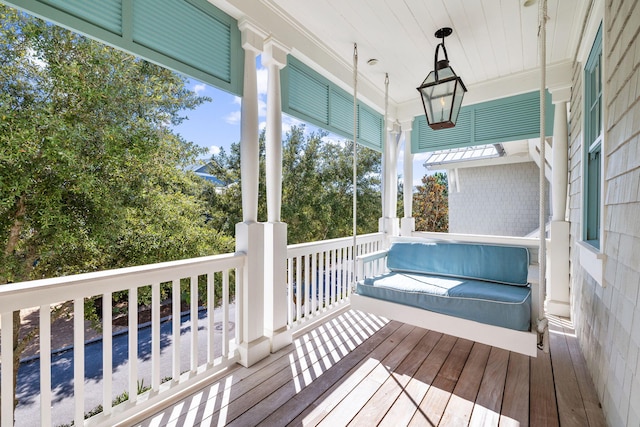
274 53
560 93
252 36
406 124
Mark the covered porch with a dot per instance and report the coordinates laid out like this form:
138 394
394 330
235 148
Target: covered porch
284 311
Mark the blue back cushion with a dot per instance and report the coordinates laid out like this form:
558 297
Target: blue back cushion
502 264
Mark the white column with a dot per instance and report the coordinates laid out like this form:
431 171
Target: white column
558 301
250 235
407 223
394 137
274 58
249 132
388 224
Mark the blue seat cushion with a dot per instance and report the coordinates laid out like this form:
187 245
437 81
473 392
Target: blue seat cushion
494 263
485 302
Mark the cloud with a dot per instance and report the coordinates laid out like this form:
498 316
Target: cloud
199 88
233 118
214 150
263 78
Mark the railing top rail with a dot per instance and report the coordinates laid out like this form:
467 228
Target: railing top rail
15 296
528 242
311 247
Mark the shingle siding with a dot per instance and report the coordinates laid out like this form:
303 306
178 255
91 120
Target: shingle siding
496 200
607 318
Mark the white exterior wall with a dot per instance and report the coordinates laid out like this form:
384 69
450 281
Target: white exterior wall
607 315
496 200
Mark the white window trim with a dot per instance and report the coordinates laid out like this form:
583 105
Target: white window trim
591 258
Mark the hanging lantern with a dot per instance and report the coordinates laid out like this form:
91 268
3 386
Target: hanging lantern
442 91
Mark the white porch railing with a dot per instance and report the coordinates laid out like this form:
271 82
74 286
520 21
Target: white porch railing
319 275
191 360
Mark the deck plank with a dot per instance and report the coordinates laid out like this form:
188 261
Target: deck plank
359 369
310 394
435 401
486 411
383 399
408 402
543 410
294 371
570 406
460 406
347 409
515 404
592 406
334 395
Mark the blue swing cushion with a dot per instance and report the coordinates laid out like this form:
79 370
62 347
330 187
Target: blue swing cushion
480 282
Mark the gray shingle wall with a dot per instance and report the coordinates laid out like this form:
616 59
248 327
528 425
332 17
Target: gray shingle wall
496 200
607 318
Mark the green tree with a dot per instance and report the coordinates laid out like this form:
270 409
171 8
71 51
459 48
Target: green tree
317 187
430 203
91 175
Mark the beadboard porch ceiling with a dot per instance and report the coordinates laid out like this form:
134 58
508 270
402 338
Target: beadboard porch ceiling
492 39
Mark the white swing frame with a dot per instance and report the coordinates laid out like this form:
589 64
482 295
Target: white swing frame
524 342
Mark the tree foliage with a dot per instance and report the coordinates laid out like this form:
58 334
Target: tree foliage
430 203
317 187
91 173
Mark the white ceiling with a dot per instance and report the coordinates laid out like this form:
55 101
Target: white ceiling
494 42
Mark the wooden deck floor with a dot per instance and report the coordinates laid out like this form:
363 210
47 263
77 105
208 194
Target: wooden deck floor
360 370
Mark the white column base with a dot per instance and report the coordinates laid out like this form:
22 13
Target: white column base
558 300
275 282
559 308
254 351
254 346
390 227
407 226
279 339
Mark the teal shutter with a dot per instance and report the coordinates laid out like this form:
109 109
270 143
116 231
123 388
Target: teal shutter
192 37
310 97
503 120
370 127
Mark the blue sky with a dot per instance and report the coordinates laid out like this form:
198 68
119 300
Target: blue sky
216 124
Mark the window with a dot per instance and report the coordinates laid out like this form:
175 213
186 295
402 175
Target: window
593 142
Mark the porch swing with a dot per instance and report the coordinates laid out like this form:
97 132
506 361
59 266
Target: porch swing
480 292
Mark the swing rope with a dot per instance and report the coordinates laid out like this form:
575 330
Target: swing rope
542 256
355 159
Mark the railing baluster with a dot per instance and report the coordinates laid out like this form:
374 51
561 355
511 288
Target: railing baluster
45 365
175 320
133 344
225 314
211 298
299 293
194 323
238 307
332 272
327 277
307 287
155 336
290 296
6 387
107 352
78 359
310 265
